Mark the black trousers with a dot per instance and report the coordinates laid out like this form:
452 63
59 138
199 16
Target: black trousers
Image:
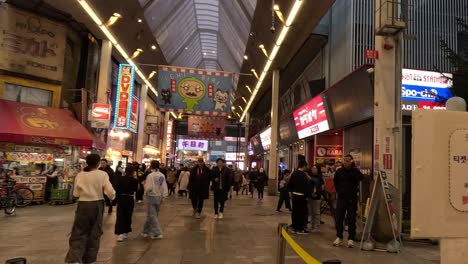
51 183
346 209
284 198
260 190
299 212
220 197
197 201
125 206
86 233
140 192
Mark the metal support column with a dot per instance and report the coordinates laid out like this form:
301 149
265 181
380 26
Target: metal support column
246 156
273 164
142 136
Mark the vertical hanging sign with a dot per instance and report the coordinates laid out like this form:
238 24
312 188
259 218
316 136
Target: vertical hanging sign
170 125
123 102
134 115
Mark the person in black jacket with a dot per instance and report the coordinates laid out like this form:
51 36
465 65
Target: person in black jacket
346 182
112 178
199 186
262 181
299 190
317 183
221 184
126 185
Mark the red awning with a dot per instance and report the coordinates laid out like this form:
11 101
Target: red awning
26 123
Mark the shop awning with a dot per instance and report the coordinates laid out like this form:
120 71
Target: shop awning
26 123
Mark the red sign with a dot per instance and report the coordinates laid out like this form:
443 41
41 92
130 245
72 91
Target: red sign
134 115
431 105
206 127
101 112
329 151
387 161
170 125
372 54
311 118
124 92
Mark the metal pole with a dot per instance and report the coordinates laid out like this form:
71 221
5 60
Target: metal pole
281 251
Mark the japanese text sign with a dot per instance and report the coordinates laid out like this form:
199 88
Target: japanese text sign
170 125
134 115
123 102
101 112
458 178
193 144
206 127
311 118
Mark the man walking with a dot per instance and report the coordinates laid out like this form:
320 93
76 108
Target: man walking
221 184
199 186
90 185
346 182
113 180
299 190
156 190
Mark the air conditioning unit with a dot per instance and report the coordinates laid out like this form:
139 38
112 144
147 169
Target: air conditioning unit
390 16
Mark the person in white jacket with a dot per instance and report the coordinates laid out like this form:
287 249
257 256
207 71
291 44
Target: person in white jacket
155 189
184 181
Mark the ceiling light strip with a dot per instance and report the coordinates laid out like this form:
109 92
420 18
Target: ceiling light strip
89 10
289 21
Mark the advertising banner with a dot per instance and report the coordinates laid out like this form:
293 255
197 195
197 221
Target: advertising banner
206 127
123 102
265 137
29 157
195 91
193 144
101 112
170 125
152 124
231 156
334 152
134 115
311 118
425 89
31 44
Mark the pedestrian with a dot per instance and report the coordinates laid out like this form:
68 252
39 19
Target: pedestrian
90 185
262 181
237 180
253 179
183 182
199 186
283 190
119 170
245 184
112 178
156 190
171 180
314 201
52 181
126 187
141 177
346 182
163 169
299 190
221 184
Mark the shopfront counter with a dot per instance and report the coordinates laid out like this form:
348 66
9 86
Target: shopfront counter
35 183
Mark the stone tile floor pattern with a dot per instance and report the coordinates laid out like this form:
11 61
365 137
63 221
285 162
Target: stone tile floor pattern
246 235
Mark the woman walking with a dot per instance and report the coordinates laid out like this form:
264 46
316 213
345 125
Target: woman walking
183 182
261 183
245 184
317 183
126 185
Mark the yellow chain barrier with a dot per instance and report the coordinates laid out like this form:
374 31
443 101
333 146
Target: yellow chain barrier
298 249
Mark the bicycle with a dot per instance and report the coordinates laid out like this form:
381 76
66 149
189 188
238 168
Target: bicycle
8 197
25 196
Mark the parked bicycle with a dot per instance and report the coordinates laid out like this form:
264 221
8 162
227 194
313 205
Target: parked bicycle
25 196
8 197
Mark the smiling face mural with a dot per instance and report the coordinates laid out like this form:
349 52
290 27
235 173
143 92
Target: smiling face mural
192 91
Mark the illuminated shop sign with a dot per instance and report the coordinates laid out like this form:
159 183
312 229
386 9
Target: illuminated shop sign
170 125
193 144
311 118
425 89
231 156
265 137
134 115
101 112
123 102
250 149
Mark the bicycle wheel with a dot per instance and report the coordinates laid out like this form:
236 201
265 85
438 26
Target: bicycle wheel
24 196
10 207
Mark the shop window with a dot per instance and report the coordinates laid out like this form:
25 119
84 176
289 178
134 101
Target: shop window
30 95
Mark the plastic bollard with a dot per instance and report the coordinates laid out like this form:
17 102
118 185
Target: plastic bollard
335 261
16 261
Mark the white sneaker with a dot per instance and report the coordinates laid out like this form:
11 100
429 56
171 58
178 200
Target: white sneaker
350 243
338 242
120 238
157 237
144 235
216 216
125 236
220 216
139 201
197 215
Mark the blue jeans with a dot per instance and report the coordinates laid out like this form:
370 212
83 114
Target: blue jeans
152 226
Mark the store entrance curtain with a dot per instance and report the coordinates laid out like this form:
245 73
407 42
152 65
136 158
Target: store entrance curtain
197 91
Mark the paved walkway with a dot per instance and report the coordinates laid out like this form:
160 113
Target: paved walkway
246 235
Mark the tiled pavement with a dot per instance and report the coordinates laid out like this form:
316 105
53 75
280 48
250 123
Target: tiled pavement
246 235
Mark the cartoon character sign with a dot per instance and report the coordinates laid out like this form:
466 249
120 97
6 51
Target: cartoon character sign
166 96
221 99
192 91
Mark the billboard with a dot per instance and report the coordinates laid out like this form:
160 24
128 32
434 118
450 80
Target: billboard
169 137
425 89
311 118
329 152
134 115
123 101
265 137
206 127
195 91
192 144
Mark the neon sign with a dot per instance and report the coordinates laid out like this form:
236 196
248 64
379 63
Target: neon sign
123 102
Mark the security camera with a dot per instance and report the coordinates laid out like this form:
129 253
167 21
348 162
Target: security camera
273 29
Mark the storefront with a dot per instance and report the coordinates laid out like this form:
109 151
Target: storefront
34 137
